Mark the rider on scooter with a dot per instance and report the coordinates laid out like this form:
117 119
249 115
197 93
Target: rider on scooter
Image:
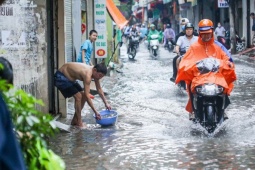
151 32
202 49
169 34
182 44
133 31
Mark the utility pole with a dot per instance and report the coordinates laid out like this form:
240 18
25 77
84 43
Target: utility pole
248 35
232 25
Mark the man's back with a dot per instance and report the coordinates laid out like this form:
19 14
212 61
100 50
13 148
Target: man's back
169 33
76 71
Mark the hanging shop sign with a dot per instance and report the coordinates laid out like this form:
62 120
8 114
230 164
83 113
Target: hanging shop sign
100 26
223 4
166 1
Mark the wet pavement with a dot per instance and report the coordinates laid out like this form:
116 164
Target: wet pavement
153 130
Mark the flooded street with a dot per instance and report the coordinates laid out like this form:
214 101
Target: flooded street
153 130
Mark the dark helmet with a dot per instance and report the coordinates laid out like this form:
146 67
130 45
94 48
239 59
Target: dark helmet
189 25
168 26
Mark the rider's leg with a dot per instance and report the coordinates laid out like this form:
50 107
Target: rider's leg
174 69
165 41
178 62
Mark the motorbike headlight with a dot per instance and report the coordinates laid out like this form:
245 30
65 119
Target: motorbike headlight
154 47
209 89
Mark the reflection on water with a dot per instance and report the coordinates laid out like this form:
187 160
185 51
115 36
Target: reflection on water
153 130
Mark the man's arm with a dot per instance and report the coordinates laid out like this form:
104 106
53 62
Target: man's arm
101 94
86 83
177 47
83 56
90 62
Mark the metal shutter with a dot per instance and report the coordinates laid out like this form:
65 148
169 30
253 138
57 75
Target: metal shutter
68 31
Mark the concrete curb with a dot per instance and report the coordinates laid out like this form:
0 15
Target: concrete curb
244 58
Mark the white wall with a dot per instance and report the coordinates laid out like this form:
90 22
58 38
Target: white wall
23 34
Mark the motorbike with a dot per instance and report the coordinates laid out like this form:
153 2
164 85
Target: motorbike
169 44
133 45
209 98
240 43
154 45
182 84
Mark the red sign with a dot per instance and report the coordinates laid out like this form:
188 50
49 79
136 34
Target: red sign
83 28
100 52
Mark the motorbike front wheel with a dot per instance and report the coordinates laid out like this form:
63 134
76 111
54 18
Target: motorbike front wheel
155 53
132 53
210 123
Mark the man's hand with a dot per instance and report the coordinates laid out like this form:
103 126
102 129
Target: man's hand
108 106
98 116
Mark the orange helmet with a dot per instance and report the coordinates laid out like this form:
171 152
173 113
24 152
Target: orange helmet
205 26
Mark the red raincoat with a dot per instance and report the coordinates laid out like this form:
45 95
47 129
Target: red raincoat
189 72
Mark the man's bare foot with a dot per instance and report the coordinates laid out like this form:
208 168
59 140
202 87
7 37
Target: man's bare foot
79 124
76 122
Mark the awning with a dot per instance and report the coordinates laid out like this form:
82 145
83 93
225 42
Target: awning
117 16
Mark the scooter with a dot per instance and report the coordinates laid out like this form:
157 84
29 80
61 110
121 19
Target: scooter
169 45
209 99
133 46
154 46
240 43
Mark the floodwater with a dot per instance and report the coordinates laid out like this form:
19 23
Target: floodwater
153 130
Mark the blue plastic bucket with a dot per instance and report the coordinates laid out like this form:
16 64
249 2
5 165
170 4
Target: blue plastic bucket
108 117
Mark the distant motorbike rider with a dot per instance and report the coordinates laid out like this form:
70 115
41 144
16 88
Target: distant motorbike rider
143 31
152 31
133 32
184 21
204 48
126 31
182 44
169 34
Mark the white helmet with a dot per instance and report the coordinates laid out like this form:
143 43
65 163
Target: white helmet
184 21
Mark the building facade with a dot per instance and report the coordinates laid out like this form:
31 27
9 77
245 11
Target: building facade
38 37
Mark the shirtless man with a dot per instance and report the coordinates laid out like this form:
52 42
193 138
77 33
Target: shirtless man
65 81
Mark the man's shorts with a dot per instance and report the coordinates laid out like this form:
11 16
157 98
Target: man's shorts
65 86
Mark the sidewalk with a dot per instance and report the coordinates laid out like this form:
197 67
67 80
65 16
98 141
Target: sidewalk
244 58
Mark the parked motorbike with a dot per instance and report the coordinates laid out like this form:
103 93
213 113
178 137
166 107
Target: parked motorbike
154 46
133 45
240 43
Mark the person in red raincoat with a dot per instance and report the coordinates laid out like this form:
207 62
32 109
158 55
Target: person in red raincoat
202 49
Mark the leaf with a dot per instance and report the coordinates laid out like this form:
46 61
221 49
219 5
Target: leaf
35 119
29 121
20 119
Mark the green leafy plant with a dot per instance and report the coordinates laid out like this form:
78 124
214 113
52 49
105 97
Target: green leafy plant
32 128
